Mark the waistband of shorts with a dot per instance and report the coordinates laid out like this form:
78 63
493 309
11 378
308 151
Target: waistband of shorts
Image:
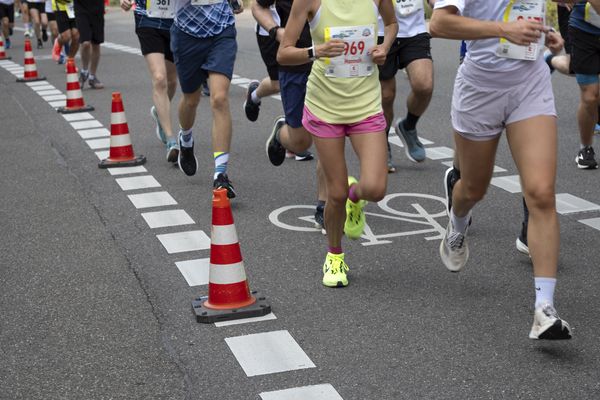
499 79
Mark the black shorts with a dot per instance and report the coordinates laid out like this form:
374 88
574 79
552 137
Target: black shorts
268 51
90 25
41 7
585 52
51 16
64 22
153 40
7 11
403 52
563 26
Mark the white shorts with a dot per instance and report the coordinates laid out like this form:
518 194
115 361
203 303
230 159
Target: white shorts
484 102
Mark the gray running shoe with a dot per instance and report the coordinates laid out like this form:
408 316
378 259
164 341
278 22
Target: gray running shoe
95 83
415 151
160 133
548 325
454 249
172 151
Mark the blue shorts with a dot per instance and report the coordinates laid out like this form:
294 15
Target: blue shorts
196 57
584 79
292 86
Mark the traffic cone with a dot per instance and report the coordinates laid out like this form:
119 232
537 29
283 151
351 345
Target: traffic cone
75 101
229 296
30 74
3 55
121 151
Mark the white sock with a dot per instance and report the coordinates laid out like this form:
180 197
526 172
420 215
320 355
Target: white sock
544 291
459 224
186 138
254 97
582 146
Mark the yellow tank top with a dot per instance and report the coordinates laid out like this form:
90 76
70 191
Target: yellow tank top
346 89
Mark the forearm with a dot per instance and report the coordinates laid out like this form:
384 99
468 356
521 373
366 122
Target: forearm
389 35
452 26
263 16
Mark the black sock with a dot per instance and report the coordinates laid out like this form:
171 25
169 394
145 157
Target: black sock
410 122
599 115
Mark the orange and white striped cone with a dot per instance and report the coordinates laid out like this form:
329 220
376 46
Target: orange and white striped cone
30 74
121 151
75 101
229 296
3 55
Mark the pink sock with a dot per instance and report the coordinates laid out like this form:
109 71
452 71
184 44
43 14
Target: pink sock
352 194
335 250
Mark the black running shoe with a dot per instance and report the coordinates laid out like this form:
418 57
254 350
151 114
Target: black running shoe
250 108
222 182
586 158
275 149
186 159
40 45
319 218
521 242
450 178
44 35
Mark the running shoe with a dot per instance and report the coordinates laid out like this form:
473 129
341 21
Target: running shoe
596 128
521 242
586 158
222 182
548 325
304 156
320 218
95 83
83 77
415 151
172 151
40 45
27 33
44 35
451 176
355 216
205 89
454 249
7 43
160 133
334 271
390 164
289 154
188 163
250 108
56 48
62 58
275 150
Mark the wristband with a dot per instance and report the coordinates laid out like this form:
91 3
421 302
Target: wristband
273 32
311 53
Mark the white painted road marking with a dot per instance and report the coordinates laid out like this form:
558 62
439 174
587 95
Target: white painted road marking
92 133
592 222
153 199
184 241
195 272
77 116
439 153
317 392
162 219
267 317
510 183
127 170
268 353
98 143
86 124
567 204
138 182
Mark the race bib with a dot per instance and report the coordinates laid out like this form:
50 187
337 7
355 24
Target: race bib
591 16
531 10
70 9
161 8
356 61
205 2
407 7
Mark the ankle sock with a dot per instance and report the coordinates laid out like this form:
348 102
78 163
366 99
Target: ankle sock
335 250
352 194
544 291
186 138
459 224
221 160
410 122
254 97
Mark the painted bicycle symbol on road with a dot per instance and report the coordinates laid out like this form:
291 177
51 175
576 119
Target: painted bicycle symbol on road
417 214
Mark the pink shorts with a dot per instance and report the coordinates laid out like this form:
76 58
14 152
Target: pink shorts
322 129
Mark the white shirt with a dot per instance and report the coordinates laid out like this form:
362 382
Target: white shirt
7 2
483 51
260 30
408 26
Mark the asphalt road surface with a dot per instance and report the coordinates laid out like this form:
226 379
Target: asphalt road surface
97 276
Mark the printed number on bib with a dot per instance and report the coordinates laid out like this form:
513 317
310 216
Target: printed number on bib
532 10
355 61
407 7
161 8
70 9
591 16
205 2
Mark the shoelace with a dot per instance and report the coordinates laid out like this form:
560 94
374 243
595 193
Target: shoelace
549 311
456 241
336 265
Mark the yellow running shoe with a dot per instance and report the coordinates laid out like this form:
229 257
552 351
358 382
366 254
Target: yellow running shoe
355 216
334 271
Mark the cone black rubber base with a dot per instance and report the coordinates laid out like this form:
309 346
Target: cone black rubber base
208 315
65 110
39 78
6 58
107 163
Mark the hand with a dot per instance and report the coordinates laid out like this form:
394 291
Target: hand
333 48
522 32
240 9
554 42
280 33
378 54
126 5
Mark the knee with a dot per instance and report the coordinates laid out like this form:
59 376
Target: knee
423 88
219 101
374 190
159 81
541 198
590 98
337 194
191 102
388 94
473 193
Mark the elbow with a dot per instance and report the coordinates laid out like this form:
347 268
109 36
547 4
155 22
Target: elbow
281 58
434 28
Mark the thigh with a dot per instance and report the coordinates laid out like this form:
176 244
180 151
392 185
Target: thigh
218 84
156 64
189 54
533 144
222 50
333 163
420 73
62 21
371 150
268 52
34 13
414 48
476 159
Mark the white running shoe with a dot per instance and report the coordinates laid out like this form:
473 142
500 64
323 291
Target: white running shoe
548 325
454 249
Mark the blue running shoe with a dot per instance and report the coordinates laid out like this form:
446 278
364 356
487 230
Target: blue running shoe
597 129
160 133
415 151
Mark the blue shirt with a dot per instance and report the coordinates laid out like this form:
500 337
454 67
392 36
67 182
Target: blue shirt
203 21
142 20
577 20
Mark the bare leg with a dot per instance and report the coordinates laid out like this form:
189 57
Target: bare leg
587 113
219 103
157 65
